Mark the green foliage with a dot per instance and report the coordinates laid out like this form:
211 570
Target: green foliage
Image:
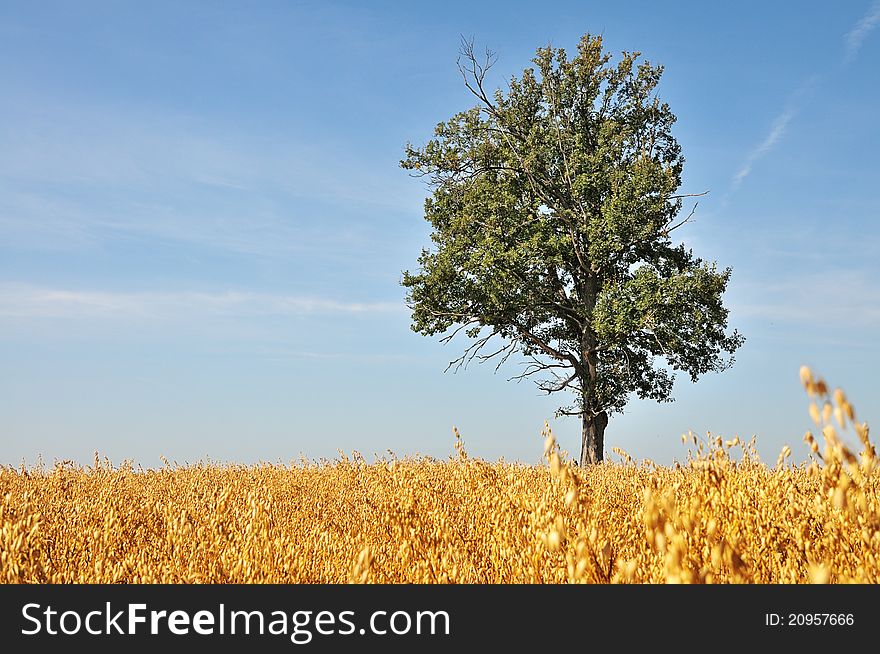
553 204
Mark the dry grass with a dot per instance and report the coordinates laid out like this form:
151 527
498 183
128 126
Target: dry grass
723 517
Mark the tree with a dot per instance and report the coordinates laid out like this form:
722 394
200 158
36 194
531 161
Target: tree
552 208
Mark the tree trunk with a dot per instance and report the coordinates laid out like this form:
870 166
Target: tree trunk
594 422
593 437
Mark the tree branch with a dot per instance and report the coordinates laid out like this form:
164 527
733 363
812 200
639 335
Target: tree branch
669 230
470 352
688 195
477 71
553 352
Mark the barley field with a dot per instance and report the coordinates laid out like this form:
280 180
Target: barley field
722 517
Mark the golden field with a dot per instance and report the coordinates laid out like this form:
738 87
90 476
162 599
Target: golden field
723 517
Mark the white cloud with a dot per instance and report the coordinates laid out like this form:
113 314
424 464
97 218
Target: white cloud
776 132
27 302
861 30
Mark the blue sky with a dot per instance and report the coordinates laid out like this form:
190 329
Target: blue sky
203 224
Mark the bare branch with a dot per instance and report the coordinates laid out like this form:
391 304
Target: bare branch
449 337
553 352
473 69
559 384
470 352
507 350
669 230
536 366
688 195
507 355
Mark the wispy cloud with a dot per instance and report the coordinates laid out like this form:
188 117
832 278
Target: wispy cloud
832 301
861 30
776 132
26 301
75 170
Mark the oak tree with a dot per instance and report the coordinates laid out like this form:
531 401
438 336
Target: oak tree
553 206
